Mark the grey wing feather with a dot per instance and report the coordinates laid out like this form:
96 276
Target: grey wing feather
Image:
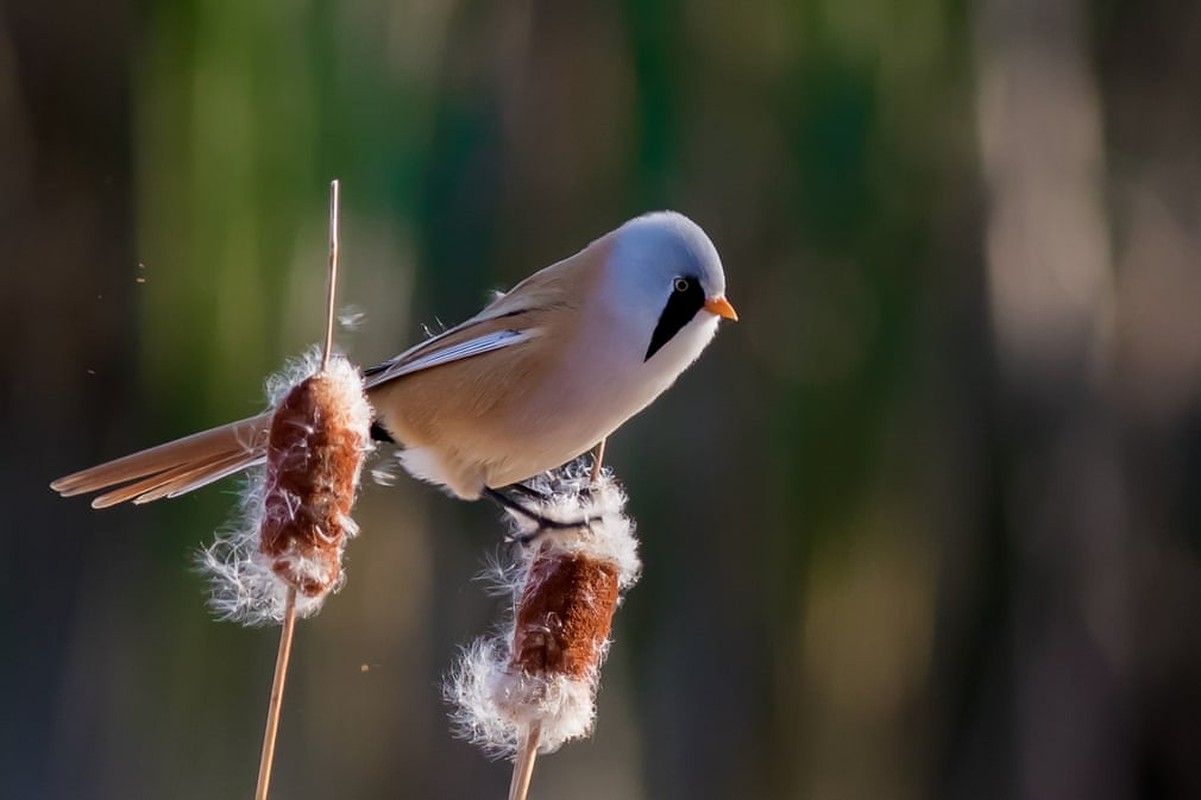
472 347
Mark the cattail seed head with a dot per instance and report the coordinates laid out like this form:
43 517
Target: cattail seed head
545 669
295 516
565 613
314 457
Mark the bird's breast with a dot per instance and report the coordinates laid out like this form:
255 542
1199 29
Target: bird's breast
601 380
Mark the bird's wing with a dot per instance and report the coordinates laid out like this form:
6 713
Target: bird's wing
445 349
510 319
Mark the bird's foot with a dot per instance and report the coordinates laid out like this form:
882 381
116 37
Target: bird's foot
544 523
526 490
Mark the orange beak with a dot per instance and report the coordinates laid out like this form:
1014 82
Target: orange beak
721 307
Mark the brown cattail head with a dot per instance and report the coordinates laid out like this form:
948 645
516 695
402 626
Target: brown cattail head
296 513
314 456
566 586
565 613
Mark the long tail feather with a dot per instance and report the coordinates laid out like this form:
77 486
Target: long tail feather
174 468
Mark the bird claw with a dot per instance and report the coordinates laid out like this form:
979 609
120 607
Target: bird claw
543 523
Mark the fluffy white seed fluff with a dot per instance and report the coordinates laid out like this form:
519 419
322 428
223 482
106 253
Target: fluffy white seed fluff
492 704
568 494
242 586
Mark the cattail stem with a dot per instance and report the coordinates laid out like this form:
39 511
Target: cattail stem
523 765
277 697
332 285
598 460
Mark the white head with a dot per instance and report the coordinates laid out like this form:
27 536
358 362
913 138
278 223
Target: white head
664 277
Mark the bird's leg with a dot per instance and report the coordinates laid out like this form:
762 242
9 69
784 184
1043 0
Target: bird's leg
528 491
544 523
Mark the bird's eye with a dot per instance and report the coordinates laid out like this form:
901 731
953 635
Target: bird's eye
681 284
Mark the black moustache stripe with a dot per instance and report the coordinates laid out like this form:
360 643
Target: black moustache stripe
680 309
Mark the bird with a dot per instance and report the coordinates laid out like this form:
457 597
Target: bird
541 375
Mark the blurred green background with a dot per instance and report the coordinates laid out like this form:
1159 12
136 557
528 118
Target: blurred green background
923 524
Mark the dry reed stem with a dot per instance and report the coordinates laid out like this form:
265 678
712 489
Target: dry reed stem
598 460
267 758
331 285
523 764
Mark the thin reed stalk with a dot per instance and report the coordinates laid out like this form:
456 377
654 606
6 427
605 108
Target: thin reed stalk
267 758
523 765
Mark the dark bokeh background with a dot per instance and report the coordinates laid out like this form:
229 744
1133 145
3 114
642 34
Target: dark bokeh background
924 524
